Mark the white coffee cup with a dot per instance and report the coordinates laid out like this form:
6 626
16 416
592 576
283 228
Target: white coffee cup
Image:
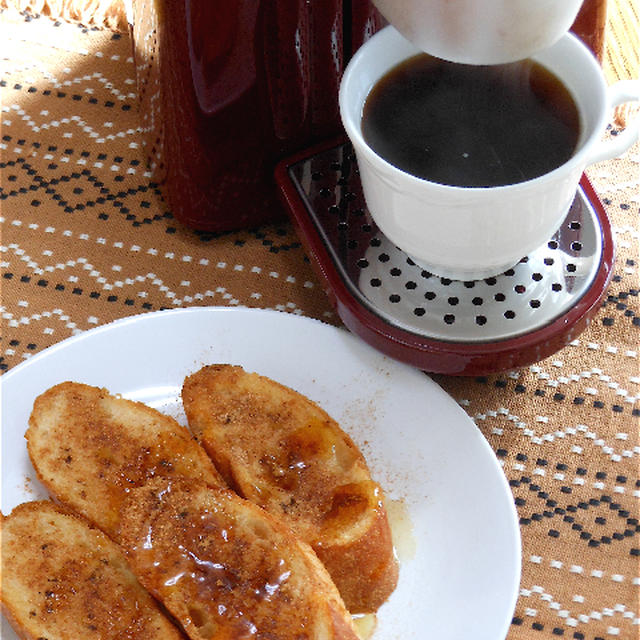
481 31
475 232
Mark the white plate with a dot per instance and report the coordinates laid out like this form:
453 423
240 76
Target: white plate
461 581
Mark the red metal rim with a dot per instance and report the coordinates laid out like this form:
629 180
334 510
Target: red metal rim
436 356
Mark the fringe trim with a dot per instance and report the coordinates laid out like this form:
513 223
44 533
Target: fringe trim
622 38
622 51
107 14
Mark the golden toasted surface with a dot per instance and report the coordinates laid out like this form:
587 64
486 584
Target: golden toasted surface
89 448
278 449
225 568
63 580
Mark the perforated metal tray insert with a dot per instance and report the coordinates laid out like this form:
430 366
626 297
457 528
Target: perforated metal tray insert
540 288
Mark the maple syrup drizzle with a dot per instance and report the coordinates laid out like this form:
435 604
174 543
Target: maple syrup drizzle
365 624
208 566
404 541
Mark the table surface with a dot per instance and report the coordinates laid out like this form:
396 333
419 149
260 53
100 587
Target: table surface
87 238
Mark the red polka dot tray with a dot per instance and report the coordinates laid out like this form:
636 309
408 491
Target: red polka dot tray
440 325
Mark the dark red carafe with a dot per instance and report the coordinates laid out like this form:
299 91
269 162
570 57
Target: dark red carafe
227 88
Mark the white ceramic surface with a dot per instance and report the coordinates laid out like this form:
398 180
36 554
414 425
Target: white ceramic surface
469 233
461 582
481 31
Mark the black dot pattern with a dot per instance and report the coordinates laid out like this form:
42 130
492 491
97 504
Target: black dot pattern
528 295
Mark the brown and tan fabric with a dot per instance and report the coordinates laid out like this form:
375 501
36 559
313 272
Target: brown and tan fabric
86 238
621 59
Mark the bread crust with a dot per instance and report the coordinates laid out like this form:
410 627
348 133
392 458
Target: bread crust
227 569
280 450
89 448
62 579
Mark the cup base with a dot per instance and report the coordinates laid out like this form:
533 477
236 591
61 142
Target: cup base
465 275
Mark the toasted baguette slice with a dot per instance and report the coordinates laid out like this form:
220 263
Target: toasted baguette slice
63 579
90 448
278 449
225 568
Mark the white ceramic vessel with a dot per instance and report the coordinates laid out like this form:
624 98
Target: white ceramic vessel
481 31
431 459
469 233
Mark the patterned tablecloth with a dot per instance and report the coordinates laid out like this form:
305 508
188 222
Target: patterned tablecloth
87 238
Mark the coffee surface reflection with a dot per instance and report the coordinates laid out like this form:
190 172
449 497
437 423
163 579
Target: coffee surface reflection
471 126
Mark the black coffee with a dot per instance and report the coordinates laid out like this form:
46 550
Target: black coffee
471 126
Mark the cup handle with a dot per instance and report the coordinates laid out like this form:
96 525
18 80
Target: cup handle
617 94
